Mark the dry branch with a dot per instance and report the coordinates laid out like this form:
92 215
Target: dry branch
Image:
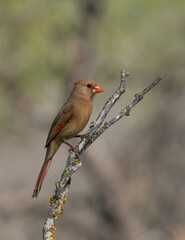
58 201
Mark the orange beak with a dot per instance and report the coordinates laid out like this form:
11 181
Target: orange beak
97 89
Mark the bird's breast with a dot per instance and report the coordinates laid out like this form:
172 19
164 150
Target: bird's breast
81 115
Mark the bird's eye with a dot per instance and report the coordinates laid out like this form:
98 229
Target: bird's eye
89 85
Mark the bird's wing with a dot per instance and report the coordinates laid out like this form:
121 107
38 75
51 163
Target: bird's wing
62 119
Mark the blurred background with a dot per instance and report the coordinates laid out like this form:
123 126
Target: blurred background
131 183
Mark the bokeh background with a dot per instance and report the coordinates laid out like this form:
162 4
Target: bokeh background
131 184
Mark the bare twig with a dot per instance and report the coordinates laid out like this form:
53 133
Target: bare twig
58 201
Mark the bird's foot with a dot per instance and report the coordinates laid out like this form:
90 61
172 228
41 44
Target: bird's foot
75 151
72 148
82 136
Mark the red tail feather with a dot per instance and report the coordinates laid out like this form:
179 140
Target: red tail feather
41 177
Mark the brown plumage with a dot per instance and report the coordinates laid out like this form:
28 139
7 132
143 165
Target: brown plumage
70 120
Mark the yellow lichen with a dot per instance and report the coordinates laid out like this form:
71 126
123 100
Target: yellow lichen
58 184
58 204
77 161
62 209
51 199
55 214
64 182
64 201
52 236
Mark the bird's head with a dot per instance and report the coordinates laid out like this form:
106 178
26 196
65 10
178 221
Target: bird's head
87 88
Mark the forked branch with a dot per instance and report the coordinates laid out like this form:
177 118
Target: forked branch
96 128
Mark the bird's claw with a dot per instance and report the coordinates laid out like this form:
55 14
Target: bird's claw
86 136
82 136
75 151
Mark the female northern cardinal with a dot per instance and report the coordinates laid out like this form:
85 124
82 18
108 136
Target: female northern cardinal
71 119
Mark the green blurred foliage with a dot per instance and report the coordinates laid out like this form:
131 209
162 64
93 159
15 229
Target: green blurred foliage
37 42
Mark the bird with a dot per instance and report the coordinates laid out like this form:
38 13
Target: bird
68 123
